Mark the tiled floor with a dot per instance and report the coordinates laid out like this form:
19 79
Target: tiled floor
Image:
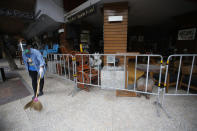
13 88
97 110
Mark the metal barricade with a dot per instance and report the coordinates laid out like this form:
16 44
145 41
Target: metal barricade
126 71
87 73
114 69
61 65
181 68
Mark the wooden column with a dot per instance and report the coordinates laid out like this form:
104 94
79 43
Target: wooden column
64 45
115 33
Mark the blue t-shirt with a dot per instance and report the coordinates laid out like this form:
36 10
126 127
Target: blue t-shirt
30 63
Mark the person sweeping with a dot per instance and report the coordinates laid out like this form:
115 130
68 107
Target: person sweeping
35 65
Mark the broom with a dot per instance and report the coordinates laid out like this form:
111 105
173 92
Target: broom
35 104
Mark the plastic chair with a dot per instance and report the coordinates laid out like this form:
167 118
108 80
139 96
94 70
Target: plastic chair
54 50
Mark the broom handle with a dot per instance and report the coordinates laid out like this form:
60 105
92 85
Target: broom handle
38 86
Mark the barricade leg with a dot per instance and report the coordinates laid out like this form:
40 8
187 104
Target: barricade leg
76 89
159 103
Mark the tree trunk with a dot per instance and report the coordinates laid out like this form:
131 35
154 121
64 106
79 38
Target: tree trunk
9 58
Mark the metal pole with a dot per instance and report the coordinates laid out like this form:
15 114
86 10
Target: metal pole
75 71
163 94
181 94
90 71
135 72
51 63
73 65
82 68
147 73
127 78
98 75
64 65
157 103
125 66
47 64
107 62
177 82
49 68
57 60
60 65
166 74
160 73
68 68
76 68
114 62
190 77
55 63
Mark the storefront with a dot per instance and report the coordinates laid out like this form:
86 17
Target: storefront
119 27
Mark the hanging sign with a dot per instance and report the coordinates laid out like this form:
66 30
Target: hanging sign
187 34
60 30
88 11
16 13
115 18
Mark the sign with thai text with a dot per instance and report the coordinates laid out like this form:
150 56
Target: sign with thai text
16 13
82 14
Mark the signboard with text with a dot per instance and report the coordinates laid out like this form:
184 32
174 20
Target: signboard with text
82 14
187 34
16 13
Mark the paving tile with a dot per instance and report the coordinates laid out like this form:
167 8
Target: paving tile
97 110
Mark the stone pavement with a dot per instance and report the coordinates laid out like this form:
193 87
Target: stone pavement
13 88
97 110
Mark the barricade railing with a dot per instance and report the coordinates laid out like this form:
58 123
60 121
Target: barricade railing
89 72
180 69
61 65
115 65
131 72
111 71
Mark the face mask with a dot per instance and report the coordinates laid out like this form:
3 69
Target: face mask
27 51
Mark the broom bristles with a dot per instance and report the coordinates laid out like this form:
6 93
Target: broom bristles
28 105
35 103
37 106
